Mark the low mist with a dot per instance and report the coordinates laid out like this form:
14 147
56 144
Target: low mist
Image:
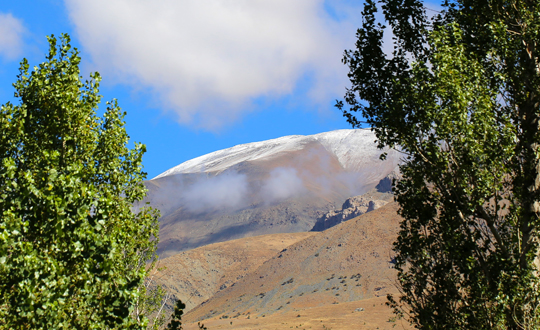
228 190
283 183
316 172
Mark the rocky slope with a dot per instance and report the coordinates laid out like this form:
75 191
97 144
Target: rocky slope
351 262
196 275
276 186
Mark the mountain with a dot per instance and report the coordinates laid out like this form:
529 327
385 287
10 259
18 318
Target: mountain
277 186
338 278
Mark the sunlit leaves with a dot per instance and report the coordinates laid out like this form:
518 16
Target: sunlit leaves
73 253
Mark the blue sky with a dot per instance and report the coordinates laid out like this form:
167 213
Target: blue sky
196 76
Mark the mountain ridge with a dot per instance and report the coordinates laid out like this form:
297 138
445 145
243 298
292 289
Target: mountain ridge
339 142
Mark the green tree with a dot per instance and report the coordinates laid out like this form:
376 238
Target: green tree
73 253
459 96
152 301
176 317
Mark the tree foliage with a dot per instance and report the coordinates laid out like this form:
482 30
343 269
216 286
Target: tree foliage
176 318
151 302
73 254
459 96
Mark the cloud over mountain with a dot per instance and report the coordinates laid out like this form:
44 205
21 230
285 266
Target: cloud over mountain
220 192
209 61
283 183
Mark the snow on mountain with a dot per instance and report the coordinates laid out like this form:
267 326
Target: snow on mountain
354 148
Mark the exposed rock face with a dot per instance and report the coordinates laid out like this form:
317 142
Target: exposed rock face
358 205
352 208
385 185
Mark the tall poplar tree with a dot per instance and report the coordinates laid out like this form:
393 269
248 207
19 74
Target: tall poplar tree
73 254
458 93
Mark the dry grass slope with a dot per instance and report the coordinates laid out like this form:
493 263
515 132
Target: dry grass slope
196 275
318 282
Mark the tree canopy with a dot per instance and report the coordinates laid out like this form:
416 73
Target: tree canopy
73 253
458 93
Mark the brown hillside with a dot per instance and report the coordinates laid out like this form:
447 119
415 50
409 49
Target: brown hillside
196 275
340 316
349 266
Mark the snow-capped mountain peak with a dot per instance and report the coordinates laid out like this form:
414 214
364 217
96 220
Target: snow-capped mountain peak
354 148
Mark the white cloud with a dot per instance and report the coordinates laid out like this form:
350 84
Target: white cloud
228 190
11 30
283 183
208 60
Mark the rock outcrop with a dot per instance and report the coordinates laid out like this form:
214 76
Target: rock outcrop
385 185
358 205
352 208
